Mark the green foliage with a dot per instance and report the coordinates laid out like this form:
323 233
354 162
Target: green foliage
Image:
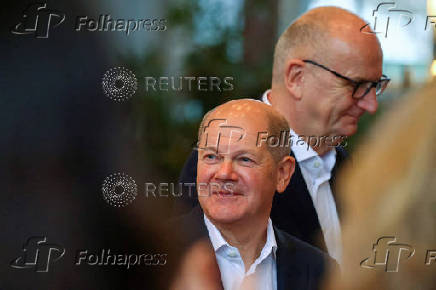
165 130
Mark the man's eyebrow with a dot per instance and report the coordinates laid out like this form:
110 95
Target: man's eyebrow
237 152
360 79
208 148
364 80
245 151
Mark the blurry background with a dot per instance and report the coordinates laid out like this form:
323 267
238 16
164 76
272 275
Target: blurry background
61 136
236 38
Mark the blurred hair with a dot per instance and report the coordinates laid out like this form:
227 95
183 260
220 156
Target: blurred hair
390 190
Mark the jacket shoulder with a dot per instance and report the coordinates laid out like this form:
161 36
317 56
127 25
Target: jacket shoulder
303 253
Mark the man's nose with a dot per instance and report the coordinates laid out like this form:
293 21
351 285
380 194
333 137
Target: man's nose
369 102
226 171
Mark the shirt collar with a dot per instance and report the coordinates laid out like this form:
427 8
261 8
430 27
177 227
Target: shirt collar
303 152
215 236
271 243
301 149
265 97
218 241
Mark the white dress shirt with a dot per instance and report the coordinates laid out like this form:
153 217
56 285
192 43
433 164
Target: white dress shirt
316 171
262 273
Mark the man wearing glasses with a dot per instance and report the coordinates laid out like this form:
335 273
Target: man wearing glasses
326 74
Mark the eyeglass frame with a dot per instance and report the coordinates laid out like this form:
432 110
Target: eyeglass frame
355 83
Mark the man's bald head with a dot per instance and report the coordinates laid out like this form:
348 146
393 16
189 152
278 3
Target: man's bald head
313 35
249 111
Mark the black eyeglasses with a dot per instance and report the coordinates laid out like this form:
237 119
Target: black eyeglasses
361 88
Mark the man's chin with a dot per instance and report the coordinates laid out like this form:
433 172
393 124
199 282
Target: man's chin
351 131
224 216
347 130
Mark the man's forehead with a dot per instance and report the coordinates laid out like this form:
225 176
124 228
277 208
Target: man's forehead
234 134
230 133
242 124
250 116
358 58
226 145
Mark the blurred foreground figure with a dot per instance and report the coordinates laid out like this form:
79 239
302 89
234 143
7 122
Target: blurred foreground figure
199 269
390 202
236 181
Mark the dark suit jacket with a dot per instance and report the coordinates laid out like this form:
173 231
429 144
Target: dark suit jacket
299 265
292 211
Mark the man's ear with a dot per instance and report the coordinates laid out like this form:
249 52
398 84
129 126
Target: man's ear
294 76
285 169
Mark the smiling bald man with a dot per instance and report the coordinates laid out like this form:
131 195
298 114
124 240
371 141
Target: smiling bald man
236 182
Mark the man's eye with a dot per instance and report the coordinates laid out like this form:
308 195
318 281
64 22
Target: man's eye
210 157
245 159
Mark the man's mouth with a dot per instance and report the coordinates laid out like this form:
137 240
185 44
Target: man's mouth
353 118
226 193
355 114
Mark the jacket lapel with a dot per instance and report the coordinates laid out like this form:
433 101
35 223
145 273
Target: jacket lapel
293 211
290 275
341 156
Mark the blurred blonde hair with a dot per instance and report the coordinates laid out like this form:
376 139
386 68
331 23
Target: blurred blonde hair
390 190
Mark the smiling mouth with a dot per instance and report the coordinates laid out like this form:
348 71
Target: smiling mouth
227 193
